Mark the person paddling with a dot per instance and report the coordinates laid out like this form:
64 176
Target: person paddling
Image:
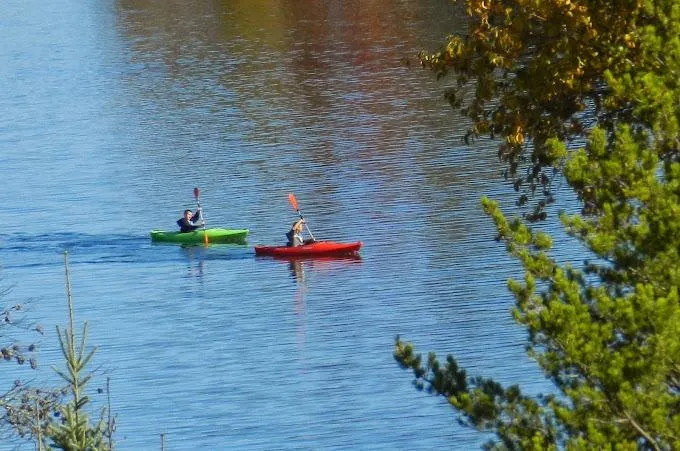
294 235
190 222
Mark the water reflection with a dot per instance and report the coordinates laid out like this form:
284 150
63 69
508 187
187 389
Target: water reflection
321 265
304 272
286 91
297 270
195 256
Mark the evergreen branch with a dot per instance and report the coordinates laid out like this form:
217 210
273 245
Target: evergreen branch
642 432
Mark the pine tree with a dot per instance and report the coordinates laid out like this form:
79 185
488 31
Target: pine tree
72 430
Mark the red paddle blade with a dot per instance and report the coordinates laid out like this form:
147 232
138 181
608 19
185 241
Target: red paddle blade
196 193
293 201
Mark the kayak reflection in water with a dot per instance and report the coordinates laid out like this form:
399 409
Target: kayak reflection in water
190 222
294 235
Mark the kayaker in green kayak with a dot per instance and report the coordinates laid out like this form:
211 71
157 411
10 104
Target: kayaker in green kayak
190 222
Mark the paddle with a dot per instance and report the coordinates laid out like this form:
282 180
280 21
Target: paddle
197 193
293 202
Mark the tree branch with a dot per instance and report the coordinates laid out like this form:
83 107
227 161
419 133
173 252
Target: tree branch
642 432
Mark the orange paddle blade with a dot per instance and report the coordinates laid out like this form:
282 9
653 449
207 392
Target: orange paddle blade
205 236
293 201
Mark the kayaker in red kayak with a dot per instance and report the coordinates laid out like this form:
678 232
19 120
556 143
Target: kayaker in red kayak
294 235
190 222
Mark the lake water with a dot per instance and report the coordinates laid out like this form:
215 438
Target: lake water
112 112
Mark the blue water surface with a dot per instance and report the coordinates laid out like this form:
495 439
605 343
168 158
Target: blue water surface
113 111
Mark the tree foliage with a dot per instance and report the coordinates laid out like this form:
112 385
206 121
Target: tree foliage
19 403
28 411
540 72
607 333
11 349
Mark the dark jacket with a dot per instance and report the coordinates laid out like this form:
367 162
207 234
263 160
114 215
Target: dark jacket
189 226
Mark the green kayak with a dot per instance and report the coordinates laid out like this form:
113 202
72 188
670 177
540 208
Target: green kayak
219 236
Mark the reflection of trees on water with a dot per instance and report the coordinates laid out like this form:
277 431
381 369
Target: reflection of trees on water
309 91
321 77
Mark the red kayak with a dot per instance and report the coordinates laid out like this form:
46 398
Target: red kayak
318 248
